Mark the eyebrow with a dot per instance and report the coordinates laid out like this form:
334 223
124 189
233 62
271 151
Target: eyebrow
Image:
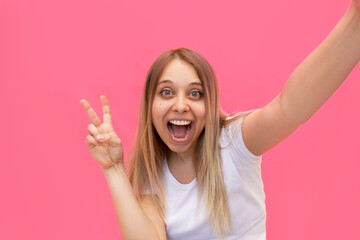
169 81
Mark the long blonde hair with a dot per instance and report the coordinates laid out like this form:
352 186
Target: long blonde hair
149 151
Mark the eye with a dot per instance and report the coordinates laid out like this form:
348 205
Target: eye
196 94
166 92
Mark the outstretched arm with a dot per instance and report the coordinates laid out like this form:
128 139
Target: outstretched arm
324 70
308 87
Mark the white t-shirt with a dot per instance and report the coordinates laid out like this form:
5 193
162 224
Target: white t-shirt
246 197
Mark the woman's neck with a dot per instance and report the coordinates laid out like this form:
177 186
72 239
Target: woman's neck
184 158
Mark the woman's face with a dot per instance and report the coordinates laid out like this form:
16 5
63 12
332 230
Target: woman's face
178 109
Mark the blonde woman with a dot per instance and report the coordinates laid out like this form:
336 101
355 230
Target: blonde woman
194 172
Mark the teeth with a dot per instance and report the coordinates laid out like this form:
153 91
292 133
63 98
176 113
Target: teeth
180 139
182 122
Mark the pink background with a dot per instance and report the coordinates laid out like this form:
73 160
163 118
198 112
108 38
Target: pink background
54 53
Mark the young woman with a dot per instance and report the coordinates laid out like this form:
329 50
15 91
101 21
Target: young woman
194 172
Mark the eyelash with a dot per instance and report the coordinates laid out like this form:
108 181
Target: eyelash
167 90
200 93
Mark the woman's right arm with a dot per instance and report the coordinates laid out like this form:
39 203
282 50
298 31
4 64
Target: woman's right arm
136 220
154 215
132 218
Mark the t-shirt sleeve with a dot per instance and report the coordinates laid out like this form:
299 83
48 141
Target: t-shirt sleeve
241 155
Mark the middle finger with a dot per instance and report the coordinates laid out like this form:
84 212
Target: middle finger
93 131
106 109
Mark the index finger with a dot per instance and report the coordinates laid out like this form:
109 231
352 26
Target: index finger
91 113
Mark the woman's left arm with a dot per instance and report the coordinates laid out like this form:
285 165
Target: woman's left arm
309 86
324 70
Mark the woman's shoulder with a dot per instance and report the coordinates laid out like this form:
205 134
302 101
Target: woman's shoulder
231 138
234 118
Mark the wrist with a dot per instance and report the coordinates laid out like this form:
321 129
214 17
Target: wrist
354 10
355 4
352 22
115 170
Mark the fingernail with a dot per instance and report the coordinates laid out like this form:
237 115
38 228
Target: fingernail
100 137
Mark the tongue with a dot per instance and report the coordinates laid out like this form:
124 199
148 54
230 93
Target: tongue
179 131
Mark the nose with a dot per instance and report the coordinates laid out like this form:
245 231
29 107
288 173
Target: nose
180 104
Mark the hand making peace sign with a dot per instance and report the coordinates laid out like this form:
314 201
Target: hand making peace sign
107 151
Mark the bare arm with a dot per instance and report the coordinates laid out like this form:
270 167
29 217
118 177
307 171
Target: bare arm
309 86
154 215
133 222
324 70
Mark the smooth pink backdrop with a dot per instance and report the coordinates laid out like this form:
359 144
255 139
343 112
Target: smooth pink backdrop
54 53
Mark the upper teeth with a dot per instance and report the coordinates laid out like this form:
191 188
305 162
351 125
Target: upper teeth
176 122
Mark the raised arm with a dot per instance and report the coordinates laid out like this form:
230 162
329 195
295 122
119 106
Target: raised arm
324 70
308 87
136 220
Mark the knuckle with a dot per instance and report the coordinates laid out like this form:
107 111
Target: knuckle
89 139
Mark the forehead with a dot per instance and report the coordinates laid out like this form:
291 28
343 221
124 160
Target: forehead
179 71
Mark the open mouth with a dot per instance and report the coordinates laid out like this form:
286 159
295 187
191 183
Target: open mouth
179 129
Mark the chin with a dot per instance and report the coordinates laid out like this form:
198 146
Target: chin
178 149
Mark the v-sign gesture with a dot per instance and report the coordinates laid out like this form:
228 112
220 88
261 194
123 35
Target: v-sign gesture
107 151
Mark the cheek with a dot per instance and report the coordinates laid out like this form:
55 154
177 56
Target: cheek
158 112
200 111
157 108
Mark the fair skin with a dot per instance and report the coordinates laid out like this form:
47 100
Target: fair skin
179 97
309 86
108 153
307 89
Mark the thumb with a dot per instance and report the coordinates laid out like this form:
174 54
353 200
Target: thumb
100 138
109 139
